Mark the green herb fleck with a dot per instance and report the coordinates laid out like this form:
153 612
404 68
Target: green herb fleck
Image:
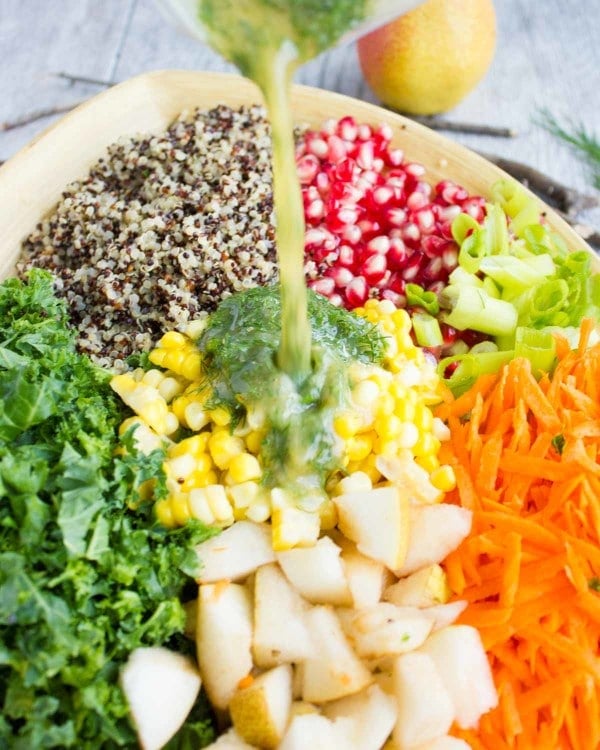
558 443
594 584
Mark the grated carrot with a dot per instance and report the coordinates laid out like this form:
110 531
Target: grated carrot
526 455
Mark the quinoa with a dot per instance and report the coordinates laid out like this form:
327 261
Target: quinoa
161 230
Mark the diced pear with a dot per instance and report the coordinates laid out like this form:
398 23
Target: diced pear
366 578
424 588
299 708
280 632
425 708
460 659
435 530
317 733
444 743
378 521
335 670
161 687
445 614
317 572
372 713
414 479
385 630
260 712
224 639
235 552
231 740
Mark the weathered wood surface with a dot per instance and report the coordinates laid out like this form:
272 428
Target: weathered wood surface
548 55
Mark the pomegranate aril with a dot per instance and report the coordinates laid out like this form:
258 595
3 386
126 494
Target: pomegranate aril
346 256
364 132
365 155
373 269
351 233
475 207
432 270
450 257
414 170
324 286
411 234
397 299
337 300
378 245
317 147
323 183
397 254
315 210
396 217
395 157
307 167
347 128
336 149
340 275
357 292
425 219
385 132
382 195
411 270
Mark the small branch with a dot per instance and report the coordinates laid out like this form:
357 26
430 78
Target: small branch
472 128
38 114
73 78
567 200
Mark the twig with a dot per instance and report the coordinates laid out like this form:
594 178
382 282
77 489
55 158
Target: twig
559 196
38 114
74 78
472 128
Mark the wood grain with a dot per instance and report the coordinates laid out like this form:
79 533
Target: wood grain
31 182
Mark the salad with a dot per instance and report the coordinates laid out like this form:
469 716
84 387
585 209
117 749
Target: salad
458 481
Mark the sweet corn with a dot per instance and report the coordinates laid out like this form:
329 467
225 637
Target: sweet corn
359 446
164 514
443 478
244 467
223 447
199 507
196 445
144 400
292 527
180 508
347 424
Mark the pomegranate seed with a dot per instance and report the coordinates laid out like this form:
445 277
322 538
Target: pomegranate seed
364 133
450 257
378 164
336 149
307 167
365 155
329 127
369 227
433 246
417 200
323 183
425 219
378 245
345 170
315 209
337 300
317 147
356 292
432 269
347 215
347 128
396 255
382 195
324 286
448 213
411 269
341 276
395 157
414 170
385 131
374 268
316 236
351 233
346 256
397 299
411 232
396 217
475 207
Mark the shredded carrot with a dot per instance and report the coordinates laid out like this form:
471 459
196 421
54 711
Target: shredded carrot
526 455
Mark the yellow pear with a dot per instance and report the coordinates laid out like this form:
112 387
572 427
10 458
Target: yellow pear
426 61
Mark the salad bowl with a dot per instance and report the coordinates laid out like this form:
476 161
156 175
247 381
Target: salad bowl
32 181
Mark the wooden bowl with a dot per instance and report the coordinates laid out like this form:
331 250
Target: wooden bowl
31 182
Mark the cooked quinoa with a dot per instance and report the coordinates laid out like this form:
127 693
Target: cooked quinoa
162 229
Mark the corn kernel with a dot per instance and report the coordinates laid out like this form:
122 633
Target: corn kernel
191 367
164 514
196 327
365 393
178 406
244 467
172 340
158 356
153 378
182 466
358 481
171 423
359 447
174 360
294 528
385 404
426 445
169 388
440 429
200 507
428 462
223 447
254 440
196 445
180 508
443 478
219 504
409 435
346 425
388 426
242 495
195 416
259 510
220 416
328 516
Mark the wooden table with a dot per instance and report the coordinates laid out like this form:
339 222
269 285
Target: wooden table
548 56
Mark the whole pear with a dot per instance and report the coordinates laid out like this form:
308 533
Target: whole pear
428 60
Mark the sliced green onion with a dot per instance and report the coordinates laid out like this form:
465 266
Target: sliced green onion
470 367
416 296
473 308
515 275
538 346
545 302
462 226
472 250
427 330
489 287
496 231
461 277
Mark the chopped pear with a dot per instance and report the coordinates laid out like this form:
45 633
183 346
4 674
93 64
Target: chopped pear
317 572
445 614
224 639
366 578
335 670
444 743
235 552
280 632
299 708
460 659
317 733
231 740
378 521
260 712
161 687
435 530
385 630
424 588
372 713
425 708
